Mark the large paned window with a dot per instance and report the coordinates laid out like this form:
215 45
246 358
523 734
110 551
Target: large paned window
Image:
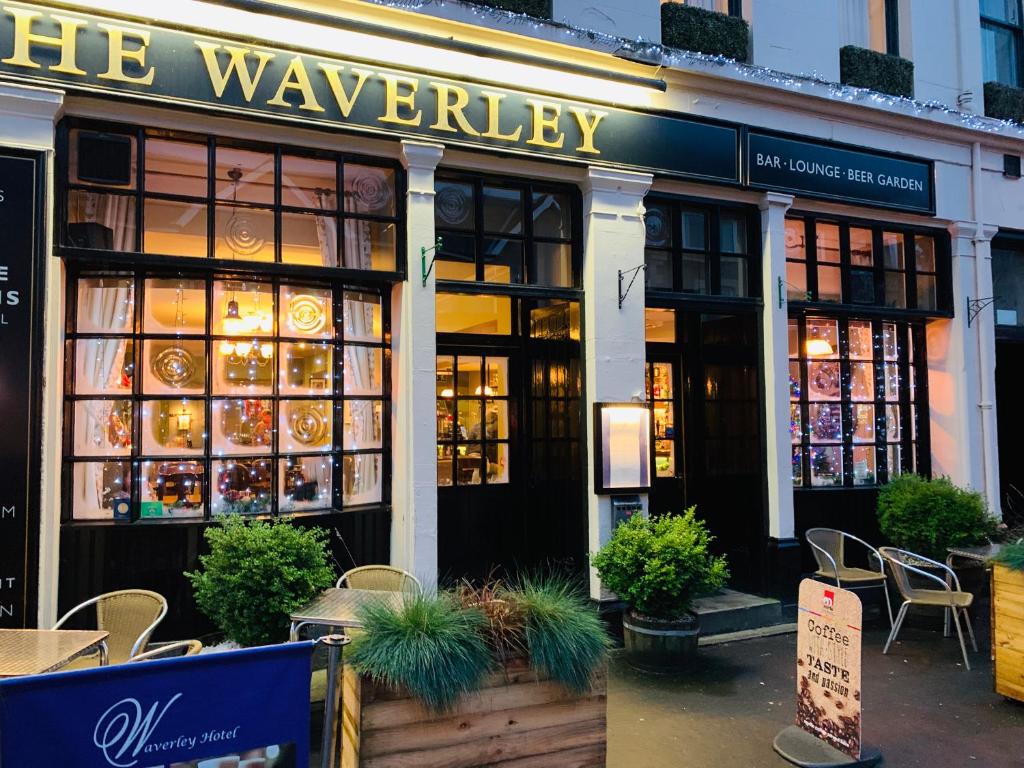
1002 34
858 400
150 191
702 249
1008 282
505 231
191 396
844 262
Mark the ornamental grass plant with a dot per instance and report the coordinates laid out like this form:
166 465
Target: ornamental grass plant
1011 555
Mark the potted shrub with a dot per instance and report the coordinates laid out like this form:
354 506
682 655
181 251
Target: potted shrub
257 574
486 676
1008 620
659 566
929 516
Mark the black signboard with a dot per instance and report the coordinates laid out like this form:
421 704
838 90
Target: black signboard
838 172
241 77
20 370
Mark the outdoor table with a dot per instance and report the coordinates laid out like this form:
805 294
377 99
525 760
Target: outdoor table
337 607
36 651
980 554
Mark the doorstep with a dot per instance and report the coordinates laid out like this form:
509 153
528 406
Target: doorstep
728 611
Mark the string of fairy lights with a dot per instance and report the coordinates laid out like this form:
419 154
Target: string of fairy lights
656 54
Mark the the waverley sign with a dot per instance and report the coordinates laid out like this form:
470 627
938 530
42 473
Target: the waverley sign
834 171
98 54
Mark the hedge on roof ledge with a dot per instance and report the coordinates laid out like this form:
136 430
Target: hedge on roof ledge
697 29
1004 102
539 9
880 72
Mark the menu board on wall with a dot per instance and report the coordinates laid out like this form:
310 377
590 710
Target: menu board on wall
20 384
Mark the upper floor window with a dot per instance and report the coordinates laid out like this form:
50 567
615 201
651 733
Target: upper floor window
1008 282
505 231
1002 35
849 263
694 248
145 190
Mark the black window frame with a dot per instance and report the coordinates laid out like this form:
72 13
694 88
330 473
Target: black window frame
1017 32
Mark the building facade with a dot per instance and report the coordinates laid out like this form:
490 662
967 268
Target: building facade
376 266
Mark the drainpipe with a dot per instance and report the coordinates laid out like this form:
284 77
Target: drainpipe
986 345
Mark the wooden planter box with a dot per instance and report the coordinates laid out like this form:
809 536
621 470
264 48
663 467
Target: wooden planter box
513 721
1008 631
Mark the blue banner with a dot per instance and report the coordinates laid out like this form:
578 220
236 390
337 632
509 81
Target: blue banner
238 709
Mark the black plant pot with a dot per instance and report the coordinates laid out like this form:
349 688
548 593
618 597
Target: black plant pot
659 645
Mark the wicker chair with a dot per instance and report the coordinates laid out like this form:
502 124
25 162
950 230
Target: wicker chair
829 548
129 615
173 650
902 564
381 578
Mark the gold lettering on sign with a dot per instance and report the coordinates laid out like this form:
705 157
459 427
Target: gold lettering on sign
237 64
447 110
24 38
543 122
296 77
494 118
393 100
117 54
345 101
587 128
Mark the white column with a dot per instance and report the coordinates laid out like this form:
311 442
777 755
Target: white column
983 328
414 344
614 338
775 329
27 118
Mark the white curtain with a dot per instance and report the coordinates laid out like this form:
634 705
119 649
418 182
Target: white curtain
100 367
327 228
115 212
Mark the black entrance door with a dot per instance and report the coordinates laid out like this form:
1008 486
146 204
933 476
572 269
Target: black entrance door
708 372
509 459
1010 416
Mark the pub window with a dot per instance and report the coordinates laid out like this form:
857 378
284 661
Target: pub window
205 197
506 232
846 262
1008 282
858 400
704 249
1002 34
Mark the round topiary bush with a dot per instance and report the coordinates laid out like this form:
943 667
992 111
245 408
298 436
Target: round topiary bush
659 565
929 516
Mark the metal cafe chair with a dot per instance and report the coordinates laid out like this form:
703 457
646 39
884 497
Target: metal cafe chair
829 548
381 578
174 650
902 564
129 615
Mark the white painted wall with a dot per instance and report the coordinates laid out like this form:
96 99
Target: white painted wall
797 36
631 19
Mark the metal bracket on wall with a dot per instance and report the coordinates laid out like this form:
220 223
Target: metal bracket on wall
782 286
424 269
634 272
975 307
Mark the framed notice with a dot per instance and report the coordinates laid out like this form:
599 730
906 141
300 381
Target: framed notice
828 665
21 278
622 453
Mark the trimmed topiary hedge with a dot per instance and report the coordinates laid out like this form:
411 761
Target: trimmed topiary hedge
539 9
880 72
697 29
1004 102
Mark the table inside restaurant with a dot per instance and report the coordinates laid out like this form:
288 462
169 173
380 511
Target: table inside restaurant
36 651
340 607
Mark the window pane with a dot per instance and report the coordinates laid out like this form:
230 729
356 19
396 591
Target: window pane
861 247
552 265
309 239
796 281
893 250
926 292
176 167
173 427
459 313
694 231
172 489
822 338
244 234
862 286
305 426
503 210
795 423
892 381
794 380
664 458
555 319
863 423
106 304
660 324
362 424
793 337
469 464
101 490
467 425
309 182
1002 10
825 422
732 229
890 341
306 369
828 242
104 366
864 465
364 373
369 245
243 367
174 367
733 276
244 175
862 382
893 459
453 205
173 306
552 215
830 287
242 309
694 272
503 260
895 290
823 381
860 340
174 229
243 487
468 376
496 371
306 312
305 483
826 465
369 189
798 466
456 258
1000 55
362 316
796 241
98 220
658 225
103 428
925 253
242 426
659 269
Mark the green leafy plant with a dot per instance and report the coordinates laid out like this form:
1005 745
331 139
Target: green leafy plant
256 574
1005 102
660 565
929 516
696 29
880 72
1011 555
564 635
431 646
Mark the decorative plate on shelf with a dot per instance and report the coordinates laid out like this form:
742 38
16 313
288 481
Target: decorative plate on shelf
174 366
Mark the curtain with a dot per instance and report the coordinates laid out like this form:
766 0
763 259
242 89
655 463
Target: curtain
115 212
327 228
100 367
